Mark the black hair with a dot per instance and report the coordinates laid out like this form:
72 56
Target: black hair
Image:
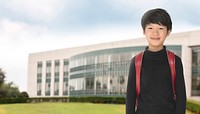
156 16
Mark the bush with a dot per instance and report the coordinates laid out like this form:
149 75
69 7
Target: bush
193 106
49 99
23 97
98 99
15 98
90 99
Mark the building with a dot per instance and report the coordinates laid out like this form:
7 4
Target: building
102 69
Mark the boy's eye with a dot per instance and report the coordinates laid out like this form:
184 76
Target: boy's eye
149 28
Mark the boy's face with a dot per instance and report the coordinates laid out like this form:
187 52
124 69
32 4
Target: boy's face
156 35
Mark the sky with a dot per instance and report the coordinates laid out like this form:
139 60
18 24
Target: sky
29 26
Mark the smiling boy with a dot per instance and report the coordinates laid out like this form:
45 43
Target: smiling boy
156 90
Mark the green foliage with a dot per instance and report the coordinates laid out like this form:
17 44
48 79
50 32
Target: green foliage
86 99
23 97
9 93
49 99
2 77
10 90
193 106
98 99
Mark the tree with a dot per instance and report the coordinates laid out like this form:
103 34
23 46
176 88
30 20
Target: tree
2 90
9 93
2 77
9 90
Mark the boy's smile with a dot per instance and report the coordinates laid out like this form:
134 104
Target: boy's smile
155 38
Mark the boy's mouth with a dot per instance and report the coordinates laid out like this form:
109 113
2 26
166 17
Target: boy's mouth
155 38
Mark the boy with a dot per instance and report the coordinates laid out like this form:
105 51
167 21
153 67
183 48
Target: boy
156 92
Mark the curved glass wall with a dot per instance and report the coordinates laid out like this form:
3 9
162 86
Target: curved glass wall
103 72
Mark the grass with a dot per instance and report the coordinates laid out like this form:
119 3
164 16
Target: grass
188 112
63 108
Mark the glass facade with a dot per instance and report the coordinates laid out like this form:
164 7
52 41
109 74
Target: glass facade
103 72
196 71
96 73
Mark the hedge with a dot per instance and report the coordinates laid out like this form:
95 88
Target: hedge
49 99
12 100
98 99
193 106
91 99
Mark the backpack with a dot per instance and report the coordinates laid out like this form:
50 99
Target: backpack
138 64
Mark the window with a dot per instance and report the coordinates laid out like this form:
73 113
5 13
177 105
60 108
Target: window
39 78
48 78
90 83
196 71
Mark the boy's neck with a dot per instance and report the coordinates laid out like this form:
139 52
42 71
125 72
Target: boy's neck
155 49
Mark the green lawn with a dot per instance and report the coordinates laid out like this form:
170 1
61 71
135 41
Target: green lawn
63 108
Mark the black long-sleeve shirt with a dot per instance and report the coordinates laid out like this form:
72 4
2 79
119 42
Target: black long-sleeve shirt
156 94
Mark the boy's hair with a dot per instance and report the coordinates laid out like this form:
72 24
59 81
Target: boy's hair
156 16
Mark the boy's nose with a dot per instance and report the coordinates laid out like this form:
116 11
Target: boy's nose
155 32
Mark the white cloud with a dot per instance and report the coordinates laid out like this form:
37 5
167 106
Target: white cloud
14 29
183 26
17 40
138 5
44 10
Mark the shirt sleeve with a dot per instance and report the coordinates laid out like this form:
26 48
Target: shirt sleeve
180 88
131 90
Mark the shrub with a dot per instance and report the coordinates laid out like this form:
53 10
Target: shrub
98 99
90 99
49 99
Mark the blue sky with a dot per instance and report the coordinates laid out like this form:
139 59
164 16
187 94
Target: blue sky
41 25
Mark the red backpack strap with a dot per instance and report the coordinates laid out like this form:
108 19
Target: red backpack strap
138 64
171 59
